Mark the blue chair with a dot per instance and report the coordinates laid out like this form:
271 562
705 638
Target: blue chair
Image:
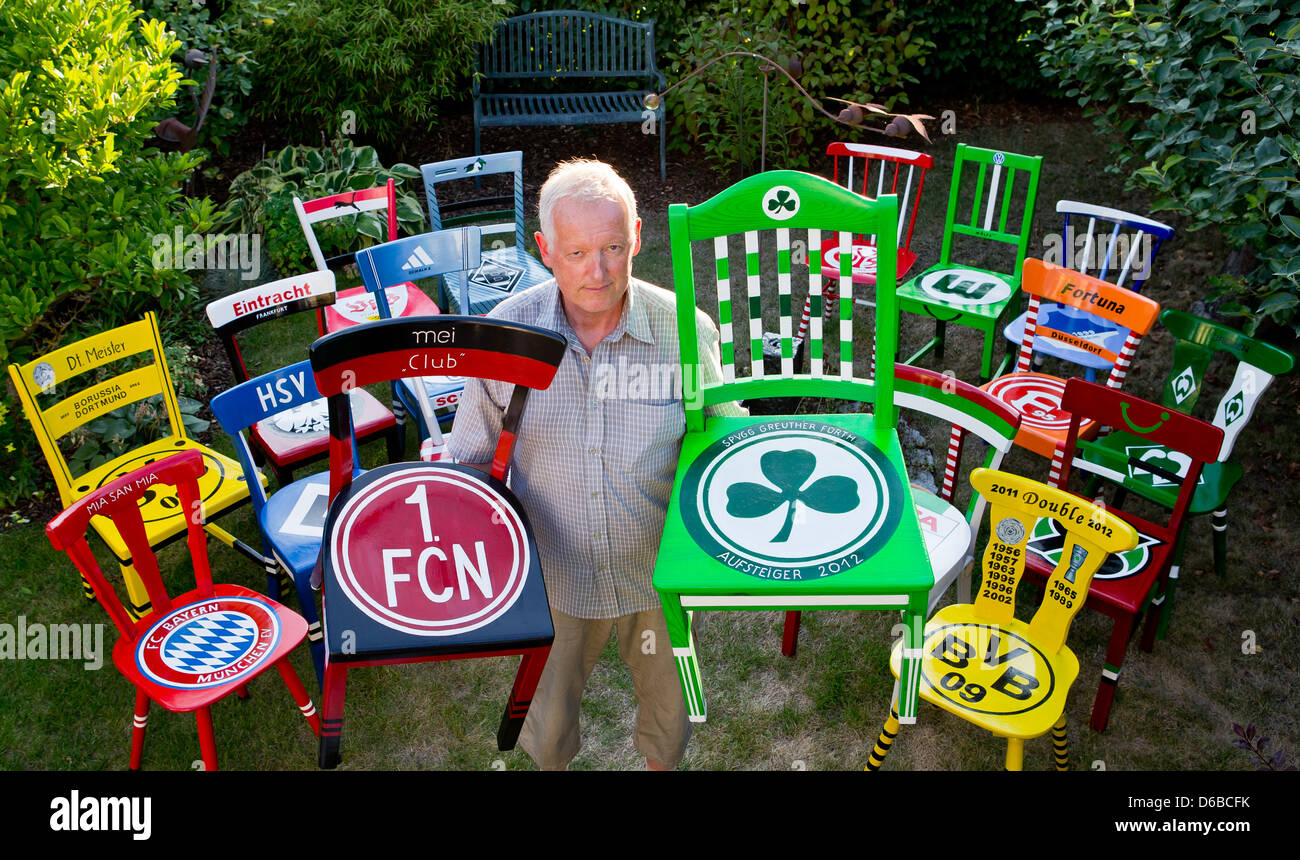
1122 251
506 269
411 259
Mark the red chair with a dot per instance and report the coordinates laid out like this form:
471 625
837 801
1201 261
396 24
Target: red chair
200 646
434 560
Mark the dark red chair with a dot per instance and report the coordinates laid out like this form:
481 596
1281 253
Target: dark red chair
430 560
200 646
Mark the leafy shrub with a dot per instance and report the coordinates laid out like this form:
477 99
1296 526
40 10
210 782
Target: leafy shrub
671 17
1214 128
390 62
978 49
721 109
261 200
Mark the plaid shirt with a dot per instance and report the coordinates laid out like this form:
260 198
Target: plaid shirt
597 451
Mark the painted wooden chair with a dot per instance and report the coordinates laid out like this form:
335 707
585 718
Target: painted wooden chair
1001 214
1038 395
195 648
1196 343
123 367
1121 254
1125 587
982 663
505 268
429 255
430 561
949 533
358 305
803 513
288 441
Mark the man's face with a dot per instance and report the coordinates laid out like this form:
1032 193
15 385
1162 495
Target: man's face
591 255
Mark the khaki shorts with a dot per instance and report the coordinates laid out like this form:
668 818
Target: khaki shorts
551 732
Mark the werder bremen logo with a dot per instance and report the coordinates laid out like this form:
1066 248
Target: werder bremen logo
1234 408
791 499
1184 384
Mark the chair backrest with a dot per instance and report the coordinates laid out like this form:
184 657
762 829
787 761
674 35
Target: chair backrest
120 501
381 197
525 356
417 257
54 373
969 410
1123 252
232 314
1045 281
1091 534
873 171
1197 341
565 43
777 202
481 208
998 211
1191 443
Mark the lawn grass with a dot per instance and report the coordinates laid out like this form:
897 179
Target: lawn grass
819 710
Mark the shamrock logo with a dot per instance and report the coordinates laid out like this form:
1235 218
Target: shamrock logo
789 470
783 200
780 202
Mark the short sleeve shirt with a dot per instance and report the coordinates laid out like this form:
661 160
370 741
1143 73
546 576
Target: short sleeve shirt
596 452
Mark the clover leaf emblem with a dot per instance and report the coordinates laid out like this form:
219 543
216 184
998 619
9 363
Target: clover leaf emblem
784 199
788 471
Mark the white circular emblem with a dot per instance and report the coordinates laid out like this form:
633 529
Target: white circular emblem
43 375
965 287
780 202
999 158
1010 530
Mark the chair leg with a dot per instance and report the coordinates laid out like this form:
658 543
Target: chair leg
888 732
299 693
1015 754
790 636
986 360
521 696
940 339
138 605
395 440
87 590
207 740
331 719
1171 588
1061 744
1119 636
682 639
242 691
283 475
138 726
1221 541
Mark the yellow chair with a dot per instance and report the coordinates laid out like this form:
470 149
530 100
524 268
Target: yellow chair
982 664
73 402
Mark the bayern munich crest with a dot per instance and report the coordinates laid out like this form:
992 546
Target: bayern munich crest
209 643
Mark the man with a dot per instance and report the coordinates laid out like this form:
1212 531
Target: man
595 458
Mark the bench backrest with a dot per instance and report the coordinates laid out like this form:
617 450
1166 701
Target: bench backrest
566 44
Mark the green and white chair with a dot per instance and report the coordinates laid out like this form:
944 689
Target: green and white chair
788 513
1001 213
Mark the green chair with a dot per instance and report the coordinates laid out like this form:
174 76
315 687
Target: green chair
1197 341
970 295
788 513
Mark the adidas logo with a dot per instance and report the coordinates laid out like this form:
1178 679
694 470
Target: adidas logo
420 259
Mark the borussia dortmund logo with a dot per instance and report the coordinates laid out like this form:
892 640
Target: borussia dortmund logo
825 500
1184 384
780 202
789 471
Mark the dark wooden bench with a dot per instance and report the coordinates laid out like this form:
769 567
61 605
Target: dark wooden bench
562 45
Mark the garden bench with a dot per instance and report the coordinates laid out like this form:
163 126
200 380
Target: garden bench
565 44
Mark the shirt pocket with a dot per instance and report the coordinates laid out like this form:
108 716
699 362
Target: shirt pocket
649 435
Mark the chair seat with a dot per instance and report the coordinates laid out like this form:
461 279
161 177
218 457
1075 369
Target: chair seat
302 433
397 589
1212 488
952 291
864 261
1037 396
203 648
293 520
832 536
947 538
1081 324
502 273
1124 580
358 306
221 487
992 675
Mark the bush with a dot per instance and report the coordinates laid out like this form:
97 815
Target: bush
261 201
79 196
978 49
388 62
1213 84
670 16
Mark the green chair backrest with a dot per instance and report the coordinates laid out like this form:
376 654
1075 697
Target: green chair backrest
778 202
992 203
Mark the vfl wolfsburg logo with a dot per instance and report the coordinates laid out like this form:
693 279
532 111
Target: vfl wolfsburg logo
780 202
791 500
964 287
1047 541
1184 384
